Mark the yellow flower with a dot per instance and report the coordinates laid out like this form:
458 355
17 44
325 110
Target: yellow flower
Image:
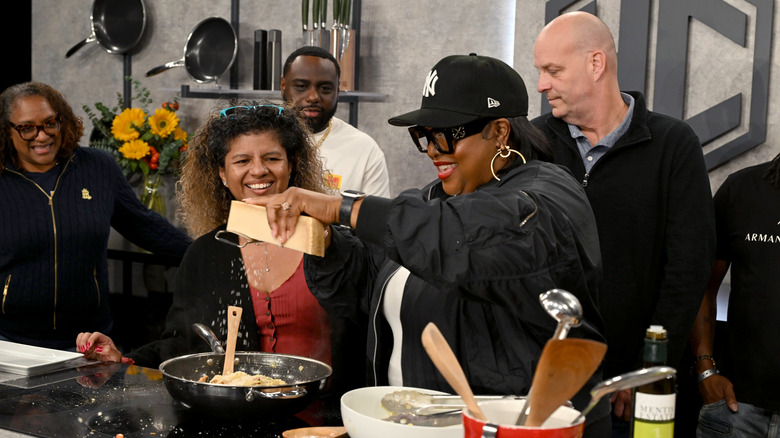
123 127
180 134
135 149
163 122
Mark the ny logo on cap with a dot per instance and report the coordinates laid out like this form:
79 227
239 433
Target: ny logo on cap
493 103
430 84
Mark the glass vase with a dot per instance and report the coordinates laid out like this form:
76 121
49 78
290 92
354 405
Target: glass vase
151 196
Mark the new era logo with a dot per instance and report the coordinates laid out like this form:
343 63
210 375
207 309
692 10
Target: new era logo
493 103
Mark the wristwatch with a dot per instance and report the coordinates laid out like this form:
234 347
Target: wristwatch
348 198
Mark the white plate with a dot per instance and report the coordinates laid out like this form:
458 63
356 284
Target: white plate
29 360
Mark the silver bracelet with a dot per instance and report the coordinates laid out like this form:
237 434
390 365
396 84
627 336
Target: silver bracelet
707 373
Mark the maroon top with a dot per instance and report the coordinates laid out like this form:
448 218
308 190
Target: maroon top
291 321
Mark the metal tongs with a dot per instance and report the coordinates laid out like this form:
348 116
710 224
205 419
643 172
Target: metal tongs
409 401
414 407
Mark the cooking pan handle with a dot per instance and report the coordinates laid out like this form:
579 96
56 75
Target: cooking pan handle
161 68
283 393
207 335
80 44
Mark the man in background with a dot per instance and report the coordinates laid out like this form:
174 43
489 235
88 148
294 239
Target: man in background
741 393
353 160
645 177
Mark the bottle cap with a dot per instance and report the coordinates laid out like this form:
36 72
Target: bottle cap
656 332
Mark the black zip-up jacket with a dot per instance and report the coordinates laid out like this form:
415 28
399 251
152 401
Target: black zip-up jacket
653 206
53 247
478 264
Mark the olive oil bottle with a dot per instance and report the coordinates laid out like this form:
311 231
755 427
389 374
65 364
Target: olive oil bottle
654 403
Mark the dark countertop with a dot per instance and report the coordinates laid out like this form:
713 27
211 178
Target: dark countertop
104 400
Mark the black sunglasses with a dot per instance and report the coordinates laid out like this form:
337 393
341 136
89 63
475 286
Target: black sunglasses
444 138
28 132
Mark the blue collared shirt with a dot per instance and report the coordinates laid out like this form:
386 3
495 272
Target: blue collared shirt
590 154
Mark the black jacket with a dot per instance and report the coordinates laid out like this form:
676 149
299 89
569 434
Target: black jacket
478 263
653 206
210 278
53 247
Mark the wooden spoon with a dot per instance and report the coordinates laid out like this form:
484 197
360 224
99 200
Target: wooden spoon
233 321
316 432
442 356
564 367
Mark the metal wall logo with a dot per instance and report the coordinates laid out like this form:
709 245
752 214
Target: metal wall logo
671 61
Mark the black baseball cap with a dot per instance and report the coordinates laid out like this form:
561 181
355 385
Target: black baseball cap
463 88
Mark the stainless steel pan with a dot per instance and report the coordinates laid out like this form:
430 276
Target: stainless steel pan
209 52
117 25
305 377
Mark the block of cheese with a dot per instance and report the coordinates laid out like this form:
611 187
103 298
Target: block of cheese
251 221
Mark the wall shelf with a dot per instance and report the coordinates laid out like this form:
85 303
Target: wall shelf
350 97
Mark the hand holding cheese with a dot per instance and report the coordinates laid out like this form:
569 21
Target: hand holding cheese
286 209
307 235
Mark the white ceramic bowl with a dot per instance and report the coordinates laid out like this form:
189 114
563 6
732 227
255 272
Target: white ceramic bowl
362 413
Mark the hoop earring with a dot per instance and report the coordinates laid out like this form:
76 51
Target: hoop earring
503 152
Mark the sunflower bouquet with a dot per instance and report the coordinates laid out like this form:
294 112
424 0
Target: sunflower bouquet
141 142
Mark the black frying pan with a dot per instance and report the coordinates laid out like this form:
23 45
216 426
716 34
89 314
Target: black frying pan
305 378
210 50
117 25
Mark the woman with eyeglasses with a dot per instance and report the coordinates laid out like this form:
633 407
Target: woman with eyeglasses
470 252
58 202
247 151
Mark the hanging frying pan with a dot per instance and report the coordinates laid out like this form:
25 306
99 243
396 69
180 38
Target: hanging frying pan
210 50
117 25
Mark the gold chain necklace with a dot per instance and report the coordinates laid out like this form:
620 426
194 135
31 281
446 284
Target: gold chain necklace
324 136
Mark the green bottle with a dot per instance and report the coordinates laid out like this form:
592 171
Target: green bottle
654 403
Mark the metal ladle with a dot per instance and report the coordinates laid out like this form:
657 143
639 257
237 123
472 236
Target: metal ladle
565 308
625 381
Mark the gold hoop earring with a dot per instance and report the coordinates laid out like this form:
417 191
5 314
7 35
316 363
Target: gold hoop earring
503 152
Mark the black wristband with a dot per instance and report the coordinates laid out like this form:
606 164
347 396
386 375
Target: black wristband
348 198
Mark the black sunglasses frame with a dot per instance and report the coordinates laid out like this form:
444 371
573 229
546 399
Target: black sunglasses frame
448 135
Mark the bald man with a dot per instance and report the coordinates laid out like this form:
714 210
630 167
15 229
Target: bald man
645 176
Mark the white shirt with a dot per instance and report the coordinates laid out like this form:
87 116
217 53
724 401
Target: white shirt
391 306
353 160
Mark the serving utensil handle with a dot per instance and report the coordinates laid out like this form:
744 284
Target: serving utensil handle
233 321
442 356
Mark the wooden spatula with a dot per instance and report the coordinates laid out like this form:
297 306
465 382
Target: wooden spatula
442 356
564 367
233 321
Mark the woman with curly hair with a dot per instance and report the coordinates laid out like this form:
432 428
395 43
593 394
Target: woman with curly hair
247 151
58 202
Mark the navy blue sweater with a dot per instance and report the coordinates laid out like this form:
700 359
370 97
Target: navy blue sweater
53 266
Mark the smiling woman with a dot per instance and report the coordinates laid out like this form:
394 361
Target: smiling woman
471 251
59 202
250 150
